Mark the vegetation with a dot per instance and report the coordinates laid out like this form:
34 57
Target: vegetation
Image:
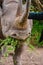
36 33
38 5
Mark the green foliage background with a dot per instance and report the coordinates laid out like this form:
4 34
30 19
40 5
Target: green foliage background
36 33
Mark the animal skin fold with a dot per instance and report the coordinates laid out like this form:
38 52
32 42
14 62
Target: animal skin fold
12 15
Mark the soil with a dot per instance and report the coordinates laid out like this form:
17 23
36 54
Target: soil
35 57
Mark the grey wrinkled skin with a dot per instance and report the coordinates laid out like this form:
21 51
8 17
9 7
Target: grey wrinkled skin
13 14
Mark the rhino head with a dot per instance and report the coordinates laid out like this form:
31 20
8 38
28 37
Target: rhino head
14 20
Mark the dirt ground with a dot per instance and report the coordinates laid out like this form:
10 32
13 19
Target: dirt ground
35 57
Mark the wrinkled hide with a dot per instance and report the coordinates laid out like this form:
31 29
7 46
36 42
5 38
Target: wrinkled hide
12 16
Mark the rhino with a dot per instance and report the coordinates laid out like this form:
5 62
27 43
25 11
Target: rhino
14 19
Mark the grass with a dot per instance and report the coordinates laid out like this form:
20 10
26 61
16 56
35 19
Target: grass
36 33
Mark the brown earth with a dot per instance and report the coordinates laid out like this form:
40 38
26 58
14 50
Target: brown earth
35 57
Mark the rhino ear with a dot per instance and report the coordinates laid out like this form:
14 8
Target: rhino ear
19 10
